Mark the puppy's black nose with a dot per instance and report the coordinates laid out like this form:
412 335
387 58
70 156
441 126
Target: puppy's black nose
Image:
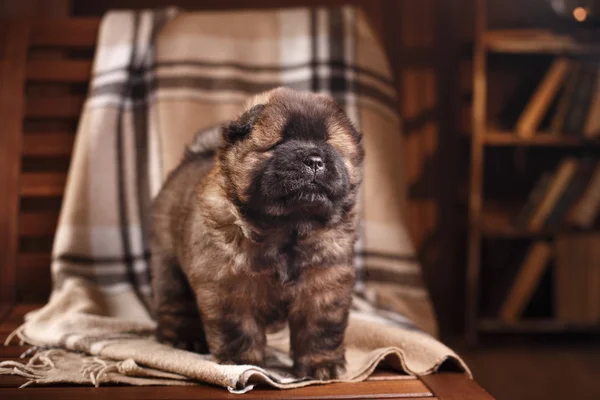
315 163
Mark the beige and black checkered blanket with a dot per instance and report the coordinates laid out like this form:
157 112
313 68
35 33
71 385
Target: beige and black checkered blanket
163 81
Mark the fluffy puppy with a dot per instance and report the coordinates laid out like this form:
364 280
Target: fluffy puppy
262 233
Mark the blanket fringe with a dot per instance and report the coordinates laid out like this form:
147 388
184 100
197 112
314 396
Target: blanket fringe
18 333
36 369
96 370
39 367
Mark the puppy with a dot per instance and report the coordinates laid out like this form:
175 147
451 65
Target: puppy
262 234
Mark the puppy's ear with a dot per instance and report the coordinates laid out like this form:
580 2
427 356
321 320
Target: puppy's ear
241 127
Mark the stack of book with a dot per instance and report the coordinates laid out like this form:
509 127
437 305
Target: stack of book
569 196
568 96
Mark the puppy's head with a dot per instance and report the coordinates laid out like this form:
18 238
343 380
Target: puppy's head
292 157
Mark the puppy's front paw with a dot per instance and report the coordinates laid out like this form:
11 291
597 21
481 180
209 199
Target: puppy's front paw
325 370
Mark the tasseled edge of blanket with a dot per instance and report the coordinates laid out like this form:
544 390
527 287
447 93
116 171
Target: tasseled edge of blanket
36 370
39 369
62 366
50 365
19 333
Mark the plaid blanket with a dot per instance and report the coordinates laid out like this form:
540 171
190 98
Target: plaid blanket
165 81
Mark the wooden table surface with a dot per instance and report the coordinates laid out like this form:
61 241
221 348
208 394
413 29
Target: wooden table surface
382 385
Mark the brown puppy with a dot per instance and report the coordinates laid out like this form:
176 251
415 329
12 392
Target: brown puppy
262 234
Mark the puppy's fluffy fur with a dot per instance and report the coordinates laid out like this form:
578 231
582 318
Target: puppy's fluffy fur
262 234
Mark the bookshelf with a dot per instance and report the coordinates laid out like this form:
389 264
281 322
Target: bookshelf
487 220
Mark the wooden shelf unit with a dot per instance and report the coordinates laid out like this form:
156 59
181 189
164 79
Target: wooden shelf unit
531 41
487 222
496 222
495 137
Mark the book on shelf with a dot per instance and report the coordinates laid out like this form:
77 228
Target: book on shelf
566 96
592 124
571 194
533 200
530 272
585 211
542 98
580 103
560 180
577 278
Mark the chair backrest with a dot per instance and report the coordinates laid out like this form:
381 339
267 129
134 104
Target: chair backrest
45 68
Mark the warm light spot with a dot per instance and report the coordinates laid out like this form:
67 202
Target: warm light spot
580 14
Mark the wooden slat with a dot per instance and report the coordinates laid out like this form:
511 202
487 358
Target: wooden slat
52 204
36 245
34 285
36 184
52 125
59 106
65 32
34 277
5 309
14 37
59 70
45 164
455 386
35 265
534 41
48 144
506 138
33 261
37 224
389 390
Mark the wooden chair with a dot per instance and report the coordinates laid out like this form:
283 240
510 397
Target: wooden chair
44 71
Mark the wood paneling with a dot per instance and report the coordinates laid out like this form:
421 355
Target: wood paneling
53 144
59 70
41 95
38 223
58 106
64 33
14 36
33 261
43 184
46 8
